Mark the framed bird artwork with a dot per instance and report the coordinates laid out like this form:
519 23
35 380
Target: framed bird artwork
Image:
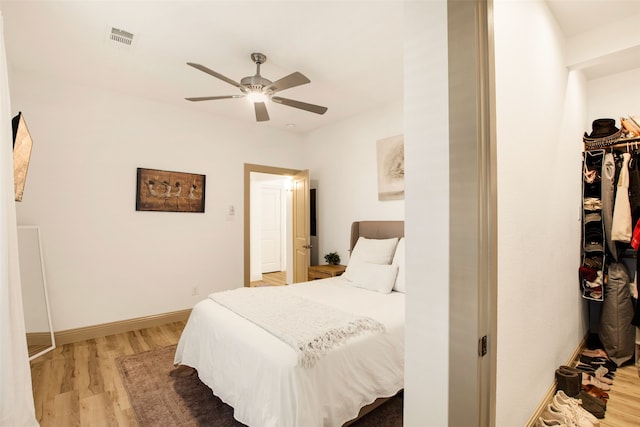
168 191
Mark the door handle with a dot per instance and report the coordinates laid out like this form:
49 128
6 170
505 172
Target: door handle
307 246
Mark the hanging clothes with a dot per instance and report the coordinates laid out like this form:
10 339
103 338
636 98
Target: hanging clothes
634 186
636 311
607 196
621 227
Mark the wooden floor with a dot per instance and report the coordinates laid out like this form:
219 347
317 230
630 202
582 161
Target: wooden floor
279 278
79 385
623 408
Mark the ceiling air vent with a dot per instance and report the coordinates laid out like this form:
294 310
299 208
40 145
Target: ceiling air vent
121 36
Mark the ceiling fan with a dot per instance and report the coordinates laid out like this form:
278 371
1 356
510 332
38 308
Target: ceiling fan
259 90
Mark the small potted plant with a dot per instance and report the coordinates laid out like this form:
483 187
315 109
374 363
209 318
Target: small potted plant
332 258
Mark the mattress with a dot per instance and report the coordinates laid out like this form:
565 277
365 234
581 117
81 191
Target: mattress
259 375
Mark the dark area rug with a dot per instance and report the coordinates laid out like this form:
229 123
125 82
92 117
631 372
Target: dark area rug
162 395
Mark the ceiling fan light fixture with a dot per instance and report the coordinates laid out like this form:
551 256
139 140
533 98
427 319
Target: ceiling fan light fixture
256 96
259 90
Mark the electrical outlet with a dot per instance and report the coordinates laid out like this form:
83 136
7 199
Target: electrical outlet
195 291
231 213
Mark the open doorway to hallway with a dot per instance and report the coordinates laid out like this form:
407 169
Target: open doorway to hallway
294 245
270 219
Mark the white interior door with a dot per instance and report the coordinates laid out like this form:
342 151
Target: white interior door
271 229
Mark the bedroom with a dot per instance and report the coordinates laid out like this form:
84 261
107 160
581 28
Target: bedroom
92 292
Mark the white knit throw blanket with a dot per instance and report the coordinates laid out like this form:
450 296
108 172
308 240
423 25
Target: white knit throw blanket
310 328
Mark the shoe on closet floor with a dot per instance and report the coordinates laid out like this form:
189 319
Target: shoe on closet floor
599 371
568 381
549 423
602 374
598 352
595 406
596 392
585 408
567 415
571 369
588 379
599 361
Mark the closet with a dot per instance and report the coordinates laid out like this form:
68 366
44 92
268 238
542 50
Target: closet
611 237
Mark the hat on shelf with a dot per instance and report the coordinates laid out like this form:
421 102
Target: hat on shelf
603 132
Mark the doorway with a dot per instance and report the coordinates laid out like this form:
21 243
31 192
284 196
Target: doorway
472 214
291 243
270 229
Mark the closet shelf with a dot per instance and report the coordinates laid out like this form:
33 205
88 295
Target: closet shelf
622 143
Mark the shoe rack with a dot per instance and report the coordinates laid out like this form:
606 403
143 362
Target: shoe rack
592 271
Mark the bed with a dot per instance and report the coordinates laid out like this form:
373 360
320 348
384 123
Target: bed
270 382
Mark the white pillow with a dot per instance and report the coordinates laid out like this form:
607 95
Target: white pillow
375 277
398 260
375 251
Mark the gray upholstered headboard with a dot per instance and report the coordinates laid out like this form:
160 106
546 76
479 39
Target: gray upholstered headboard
375 230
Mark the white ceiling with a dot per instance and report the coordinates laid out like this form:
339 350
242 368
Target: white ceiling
352 51
576 17
579 16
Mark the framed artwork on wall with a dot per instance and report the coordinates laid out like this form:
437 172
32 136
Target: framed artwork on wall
168 191
391 168
22 144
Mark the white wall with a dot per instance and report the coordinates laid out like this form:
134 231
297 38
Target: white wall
541 111
343 167
613 96
427 214
106 262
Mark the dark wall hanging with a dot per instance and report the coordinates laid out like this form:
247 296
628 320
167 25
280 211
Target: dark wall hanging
168 191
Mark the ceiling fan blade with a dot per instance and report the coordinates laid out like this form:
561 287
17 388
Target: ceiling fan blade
261 112
292 80
214 74
211 98
301 105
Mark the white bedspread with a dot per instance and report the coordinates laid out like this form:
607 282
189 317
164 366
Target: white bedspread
310 328
259 375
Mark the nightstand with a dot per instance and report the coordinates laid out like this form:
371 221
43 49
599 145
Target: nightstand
325 271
